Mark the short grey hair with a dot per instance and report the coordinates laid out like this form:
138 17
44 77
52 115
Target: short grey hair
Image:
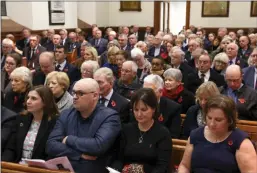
173 73
107 72
156 80
134 66
178 50
92 63
8 42
236 46
221 57
135 52
24 73
49 55
64 30
141 43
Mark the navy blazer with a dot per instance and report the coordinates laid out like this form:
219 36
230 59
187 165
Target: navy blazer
20 44
72 72
163 50
14 147
248 76
101 47
38 78
102 128
241 62
247 53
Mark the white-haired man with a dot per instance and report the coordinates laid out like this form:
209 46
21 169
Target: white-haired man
169 111
86 132
108 97
128 82
232 52
7 47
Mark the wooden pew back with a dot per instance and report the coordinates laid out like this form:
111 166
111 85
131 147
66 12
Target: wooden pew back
250 127
72 56
7 167
178 149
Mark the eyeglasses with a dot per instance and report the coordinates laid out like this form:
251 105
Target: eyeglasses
254 55
80 93
125 71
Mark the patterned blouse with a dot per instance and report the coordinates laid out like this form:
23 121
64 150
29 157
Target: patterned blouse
30 139
200 118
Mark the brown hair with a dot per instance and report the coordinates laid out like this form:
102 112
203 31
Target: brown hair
16 57
123 53
50 108
227 105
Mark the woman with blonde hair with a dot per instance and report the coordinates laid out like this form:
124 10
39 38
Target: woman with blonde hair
90 53
222 47
220 63
194 115
112 64
59 84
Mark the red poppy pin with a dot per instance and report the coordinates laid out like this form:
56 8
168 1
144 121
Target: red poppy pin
180 99
242 100
113 103
164 55
37 52
15 99
160 118
230 142
238 62
65 70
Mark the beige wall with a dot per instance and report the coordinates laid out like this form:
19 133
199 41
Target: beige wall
239 16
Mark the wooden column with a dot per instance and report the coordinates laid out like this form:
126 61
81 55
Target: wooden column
157 16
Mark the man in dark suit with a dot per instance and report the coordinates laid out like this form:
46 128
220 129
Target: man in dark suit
65 41
123 41
132 40
232 52
158 49
139 35
245 50
47 40
192 46
74 44
32 52
21 44
110 98
47 65
169 111
143 35
64 66
99 43
250 73
51 46
204 74
177 61
244 96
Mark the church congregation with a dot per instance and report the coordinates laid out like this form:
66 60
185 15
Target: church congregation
115 97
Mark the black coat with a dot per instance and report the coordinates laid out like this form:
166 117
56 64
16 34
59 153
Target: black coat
121 105
72 72
186 70
20 44
14 147
14 101
195 81
38 78
7 122
35 59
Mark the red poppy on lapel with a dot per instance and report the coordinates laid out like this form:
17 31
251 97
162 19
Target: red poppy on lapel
164 55
238 62
160 118
15 99
242 100
180 99
230 142
113 103
246 55
37 52
66 70
131 93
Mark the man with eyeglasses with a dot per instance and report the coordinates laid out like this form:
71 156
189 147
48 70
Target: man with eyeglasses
244 96
128 82
86 132
250 73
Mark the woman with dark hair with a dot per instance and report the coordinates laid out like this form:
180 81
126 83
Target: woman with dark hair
12 61
228 148
145 145
33 126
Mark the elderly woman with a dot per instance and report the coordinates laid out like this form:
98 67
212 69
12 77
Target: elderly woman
145 144
59 83
253 40
33 127
144 66
90 53
174 89
219 146
21 81
111 56
220 63
12 61
143 46
194 115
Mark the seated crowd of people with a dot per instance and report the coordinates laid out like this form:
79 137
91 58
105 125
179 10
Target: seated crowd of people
119 103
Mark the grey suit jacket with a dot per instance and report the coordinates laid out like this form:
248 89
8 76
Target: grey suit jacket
248 76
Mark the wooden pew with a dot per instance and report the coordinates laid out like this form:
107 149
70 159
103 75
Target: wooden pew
178 148
72 56
250 127
7 167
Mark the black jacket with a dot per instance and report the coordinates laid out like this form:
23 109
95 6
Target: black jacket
14 147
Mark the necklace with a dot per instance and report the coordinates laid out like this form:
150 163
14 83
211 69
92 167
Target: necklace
140 139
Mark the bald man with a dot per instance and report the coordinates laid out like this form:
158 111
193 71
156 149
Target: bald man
244 96
86 132
245 50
